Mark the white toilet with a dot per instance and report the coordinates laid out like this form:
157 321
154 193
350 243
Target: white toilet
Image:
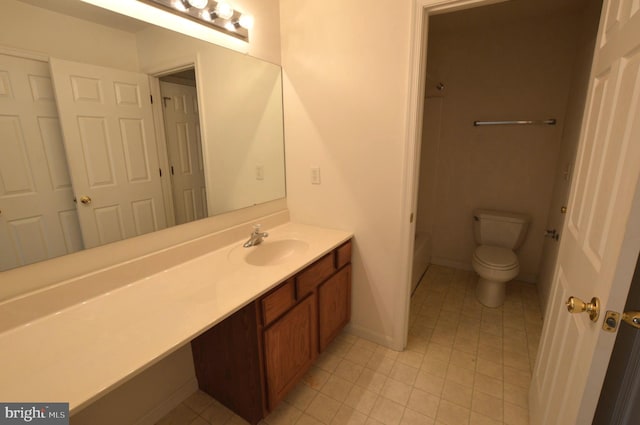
498 235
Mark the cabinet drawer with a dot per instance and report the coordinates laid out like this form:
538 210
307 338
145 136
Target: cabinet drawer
314 275
343 255
276 303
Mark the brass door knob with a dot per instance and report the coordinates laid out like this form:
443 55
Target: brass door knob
563 210
576 305
85 200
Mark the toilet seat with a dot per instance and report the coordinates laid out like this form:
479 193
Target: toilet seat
496 258
495 267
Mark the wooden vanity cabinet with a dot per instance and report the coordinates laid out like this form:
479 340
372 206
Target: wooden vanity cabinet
252 359
228 364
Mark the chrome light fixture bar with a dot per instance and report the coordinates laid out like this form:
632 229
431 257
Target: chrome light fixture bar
218 15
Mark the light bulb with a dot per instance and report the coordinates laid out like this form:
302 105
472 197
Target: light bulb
224 10
229 26
200 4
246 21
179 5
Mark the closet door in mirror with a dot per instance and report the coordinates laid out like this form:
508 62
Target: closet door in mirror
184 148
38 218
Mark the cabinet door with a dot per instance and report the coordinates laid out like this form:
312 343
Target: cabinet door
290 347
334 305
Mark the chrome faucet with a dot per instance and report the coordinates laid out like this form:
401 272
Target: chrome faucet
256 237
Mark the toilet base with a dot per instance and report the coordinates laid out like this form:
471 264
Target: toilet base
490 293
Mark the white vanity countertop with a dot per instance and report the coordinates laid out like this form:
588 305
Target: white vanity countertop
81 352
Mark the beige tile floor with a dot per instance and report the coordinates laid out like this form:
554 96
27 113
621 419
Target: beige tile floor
465 364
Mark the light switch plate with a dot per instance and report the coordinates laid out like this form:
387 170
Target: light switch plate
315 175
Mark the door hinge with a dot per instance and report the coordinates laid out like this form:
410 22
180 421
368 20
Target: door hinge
160 170
172 170
151 98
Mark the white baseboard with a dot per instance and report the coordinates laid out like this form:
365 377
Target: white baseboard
460 265
367 334
166 406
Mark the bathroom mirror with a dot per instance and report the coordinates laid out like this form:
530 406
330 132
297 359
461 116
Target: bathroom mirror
237 102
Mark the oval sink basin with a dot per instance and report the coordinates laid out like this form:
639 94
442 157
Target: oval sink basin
273 252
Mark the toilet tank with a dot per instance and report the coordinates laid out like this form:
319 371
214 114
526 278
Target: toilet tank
500 228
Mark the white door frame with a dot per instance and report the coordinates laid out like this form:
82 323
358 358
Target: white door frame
158 119
161 140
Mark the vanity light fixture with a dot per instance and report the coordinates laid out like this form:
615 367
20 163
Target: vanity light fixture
223 10
218 15
181 5
199 4
245 21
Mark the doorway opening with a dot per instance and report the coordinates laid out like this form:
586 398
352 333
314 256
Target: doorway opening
183 145
509 61
506 61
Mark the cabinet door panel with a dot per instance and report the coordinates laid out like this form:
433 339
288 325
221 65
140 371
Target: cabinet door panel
334 305
290 347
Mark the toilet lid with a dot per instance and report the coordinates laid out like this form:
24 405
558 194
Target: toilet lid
496 257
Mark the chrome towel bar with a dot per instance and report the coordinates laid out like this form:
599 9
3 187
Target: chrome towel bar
551 121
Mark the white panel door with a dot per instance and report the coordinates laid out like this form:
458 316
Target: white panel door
38 218
601 237
109 137
182 130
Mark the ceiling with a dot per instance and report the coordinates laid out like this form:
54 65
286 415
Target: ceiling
496 13
507 11
88 12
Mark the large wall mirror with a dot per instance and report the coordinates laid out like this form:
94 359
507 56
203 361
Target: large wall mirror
86 158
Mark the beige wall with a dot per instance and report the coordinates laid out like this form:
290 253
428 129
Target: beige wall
346 68
264 38
518 69
34 29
